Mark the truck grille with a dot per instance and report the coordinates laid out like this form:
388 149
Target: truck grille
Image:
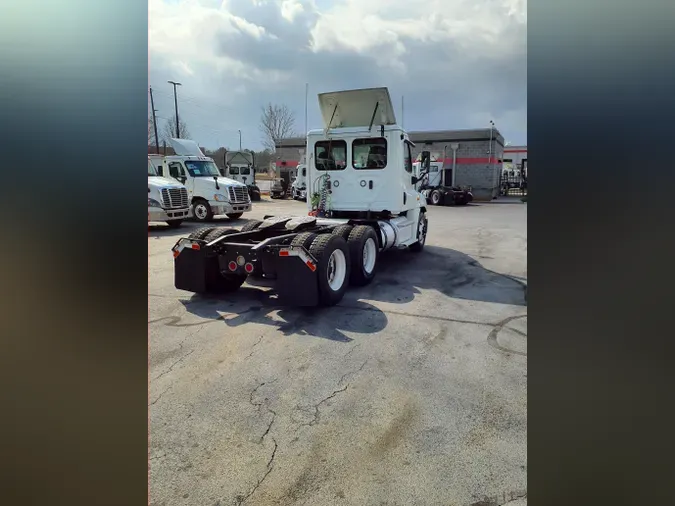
238 194
174 198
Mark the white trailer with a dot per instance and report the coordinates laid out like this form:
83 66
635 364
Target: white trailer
360 168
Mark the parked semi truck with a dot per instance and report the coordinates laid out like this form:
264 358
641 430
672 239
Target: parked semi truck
436 187
360 166
209 193
240 166
167 199
299 186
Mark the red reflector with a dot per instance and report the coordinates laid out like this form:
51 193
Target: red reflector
176 253
232 266
249 268
196 246
284 253
311 265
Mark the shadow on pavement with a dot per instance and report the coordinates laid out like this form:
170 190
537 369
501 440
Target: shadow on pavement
254 305
401 276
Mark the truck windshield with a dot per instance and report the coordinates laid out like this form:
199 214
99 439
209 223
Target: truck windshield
151 169
201 168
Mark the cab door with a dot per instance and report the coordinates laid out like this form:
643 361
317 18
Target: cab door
410 194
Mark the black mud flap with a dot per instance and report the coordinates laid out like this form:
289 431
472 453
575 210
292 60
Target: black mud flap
296 283
195 271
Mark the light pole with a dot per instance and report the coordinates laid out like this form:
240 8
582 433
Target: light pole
239 140
175 103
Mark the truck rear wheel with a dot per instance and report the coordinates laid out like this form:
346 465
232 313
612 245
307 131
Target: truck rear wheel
304 239
363 252
422 226
333 267
200 233
251 225
219 232
343 231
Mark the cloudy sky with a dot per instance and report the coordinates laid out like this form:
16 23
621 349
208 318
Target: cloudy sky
458 63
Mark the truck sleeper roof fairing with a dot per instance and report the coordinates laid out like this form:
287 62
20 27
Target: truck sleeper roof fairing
356 108
186 147
238 157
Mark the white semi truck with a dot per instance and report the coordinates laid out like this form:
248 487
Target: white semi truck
360 168
437 189
167 199
299 186
240 166
209 193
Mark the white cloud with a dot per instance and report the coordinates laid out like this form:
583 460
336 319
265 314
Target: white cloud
450 58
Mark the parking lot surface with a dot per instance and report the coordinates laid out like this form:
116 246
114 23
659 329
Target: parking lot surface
412 391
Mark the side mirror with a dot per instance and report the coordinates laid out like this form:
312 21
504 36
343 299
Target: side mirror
414 180
160 170
426 160
182 179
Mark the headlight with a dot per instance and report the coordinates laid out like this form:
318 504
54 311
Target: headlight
219 197
154 203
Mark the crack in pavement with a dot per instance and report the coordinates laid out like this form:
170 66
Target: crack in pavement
316 415
505 498
242 499
353 372
317 412
160 396
351 350
253 347
173 365
258 406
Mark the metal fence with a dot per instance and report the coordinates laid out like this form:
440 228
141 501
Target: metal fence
512 183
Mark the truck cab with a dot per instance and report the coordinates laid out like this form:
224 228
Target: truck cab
167 199
209 193
240 166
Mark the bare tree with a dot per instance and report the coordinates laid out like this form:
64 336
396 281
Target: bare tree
151 132
169 130
276 123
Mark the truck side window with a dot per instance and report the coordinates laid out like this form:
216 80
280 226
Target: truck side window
304 172
175 170
369 153
408 157
330 155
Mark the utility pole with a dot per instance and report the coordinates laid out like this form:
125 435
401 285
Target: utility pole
306 93
175 102
154 120
239 140
402 112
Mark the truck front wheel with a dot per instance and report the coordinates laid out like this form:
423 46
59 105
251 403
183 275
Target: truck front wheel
333 267
435 197
363 251
422 225
202 211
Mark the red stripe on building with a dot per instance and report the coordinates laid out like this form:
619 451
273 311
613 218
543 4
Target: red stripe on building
515 151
